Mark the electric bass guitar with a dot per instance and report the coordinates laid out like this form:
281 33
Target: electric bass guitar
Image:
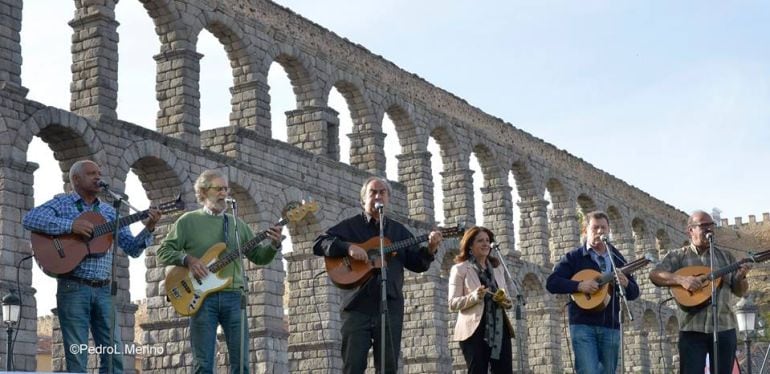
60 254
597 301
693 300
346 273
186 292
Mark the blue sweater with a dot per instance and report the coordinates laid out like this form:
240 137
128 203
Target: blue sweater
559 282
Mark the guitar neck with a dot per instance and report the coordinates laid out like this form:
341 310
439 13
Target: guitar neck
725 270
634 265
405 243
107 227
627 270
233 255
166 207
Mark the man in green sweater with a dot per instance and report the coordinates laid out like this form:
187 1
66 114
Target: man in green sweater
187 241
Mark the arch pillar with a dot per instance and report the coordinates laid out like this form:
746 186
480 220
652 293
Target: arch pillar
498 215
94 86
16 198
533 231
10 48
367 151
178 94
251 107
314 129
458 196
414 171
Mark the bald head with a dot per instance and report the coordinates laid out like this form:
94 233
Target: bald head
699 224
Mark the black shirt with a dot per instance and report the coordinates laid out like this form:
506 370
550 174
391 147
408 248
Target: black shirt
336 241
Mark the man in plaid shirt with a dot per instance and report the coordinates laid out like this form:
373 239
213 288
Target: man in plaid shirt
696 326
83 295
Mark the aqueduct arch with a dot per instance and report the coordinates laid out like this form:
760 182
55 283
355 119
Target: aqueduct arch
271 174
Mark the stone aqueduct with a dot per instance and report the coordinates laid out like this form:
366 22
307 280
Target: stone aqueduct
268 174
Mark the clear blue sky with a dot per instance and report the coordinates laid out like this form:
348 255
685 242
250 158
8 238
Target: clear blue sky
671 97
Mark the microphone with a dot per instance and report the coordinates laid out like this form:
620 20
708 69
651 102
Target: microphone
710 236
115 195
605 239
379 206
230 200
495 245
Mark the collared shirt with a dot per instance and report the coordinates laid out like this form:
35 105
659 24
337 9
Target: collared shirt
55 217
601 260
210 212
701 320
560 282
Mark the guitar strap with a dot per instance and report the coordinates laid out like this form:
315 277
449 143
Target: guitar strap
225 228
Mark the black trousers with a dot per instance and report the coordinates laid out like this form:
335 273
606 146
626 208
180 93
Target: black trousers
693 347
477 352
361 331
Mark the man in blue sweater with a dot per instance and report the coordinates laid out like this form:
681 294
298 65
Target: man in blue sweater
595 335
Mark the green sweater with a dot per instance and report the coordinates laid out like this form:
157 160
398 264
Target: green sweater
195 232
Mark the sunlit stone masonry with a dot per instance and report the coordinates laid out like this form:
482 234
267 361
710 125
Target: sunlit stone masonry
300 333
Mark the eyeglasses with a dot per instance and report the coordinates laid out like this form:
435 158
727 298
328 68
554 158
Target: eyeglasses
219 188
704 225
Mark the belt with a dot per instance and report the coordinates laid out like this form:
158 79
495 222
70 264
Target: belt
88 282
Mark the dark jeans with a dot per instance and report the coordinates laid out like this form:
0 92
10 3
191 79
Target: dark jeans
218 308
361 331
477 352
79 308
693 347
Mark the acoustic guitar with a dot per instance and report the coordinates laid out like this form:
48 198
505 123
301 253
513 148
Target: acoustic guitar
60 254
186 293
597 301
346 273
693 300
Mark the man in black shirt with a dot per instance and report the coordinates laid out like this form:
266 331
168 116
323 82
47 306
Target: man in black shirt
361 306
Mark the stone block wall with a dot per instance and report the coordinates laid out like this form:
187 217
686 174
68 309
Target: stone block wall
267 175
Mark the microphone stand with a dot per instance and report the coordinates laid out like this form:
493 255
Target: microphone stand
244 285
383 290
622 292
117 200
520 302
714 302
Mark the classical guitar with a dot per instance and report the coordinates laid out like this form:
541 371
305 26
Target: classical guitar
60 254
597 301
186 293
345 272
693 300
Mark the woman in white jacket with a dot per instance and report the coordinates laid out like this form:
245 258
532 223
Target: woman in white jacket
477 292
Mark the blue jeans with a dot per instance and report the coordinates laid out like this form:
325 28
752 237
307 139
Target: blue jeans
81 307
218 308
596 349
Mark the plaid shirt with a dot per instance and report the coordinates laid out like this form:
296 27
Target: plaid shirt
702 320
55 218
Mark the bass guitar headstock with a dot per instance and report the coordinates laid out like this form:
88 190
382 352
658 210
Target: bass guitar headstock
760 257
172 206
297 211
454 231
